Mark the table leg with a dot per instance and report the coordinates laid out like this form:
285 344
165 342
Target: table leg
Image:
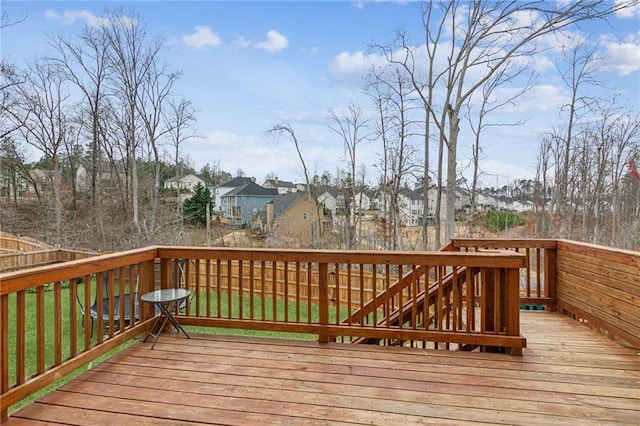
167 312
165 315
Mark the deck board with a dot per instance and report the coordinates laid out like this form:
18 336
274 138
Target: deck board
568 374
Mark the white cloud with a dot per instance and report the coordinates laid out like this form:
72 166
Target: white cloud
202 37
346 63
623 57
275 42
69 17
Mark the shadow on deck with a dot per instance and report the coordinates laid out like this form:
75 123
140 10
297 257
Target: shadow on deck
568 374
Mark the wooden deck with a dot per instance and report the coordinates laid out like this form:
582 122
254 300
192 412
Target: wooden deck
568 374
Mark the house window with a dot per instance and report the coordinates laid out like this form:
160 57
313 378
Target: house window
304 215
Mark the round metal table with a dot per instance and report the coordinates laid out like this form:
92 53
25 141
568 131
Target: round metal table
165 300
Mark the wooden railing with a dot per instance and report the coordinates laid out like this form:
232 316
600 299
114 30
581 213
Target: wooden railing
319 291
299 291
48 326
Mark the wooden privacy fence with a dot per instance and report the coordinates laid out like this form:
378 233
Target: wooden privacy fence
31 259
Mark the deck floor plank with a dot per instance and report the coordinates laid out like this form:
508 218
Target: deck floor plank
568 374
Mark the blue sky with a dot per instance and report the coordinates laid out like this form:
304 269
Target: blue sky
248 66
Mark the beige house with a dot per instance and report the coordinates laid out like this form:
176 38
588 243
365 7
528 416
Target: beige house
290 219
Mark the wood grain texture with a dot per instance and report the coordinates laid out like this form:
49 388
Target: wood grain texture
568 374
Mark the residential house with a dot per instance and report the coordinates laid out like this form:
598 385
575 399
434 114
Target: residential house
184 185
364 201
410 206
242 203
282 186
290 218
328 199
485 202
224 188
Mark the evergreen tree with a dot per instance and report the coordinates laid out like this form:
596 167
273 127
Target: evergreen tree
195 208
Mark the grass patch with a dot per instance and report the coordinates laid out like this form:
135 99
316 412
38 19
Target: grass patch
500 220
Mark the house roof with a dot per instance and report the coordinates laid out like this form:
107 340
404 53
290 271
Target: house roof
283 202
276 183
182 177
236 181
251 189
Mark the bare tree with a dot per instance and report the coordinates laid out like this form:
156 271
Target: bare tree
43 121
316 218
391 93
131 56
484 37
489 103
179 121
352 127
580 66
85 65
152 99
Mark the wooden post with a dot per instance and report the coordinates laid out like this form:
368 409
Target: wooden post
512 300
323 288
550 276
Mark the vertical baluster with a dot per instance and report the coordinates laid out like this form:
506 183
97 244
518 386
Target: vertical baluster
99 306
323 288
240 289
251 290
471 305
229 290
218 288
498 300
274 287
88 320
309 292
121 299
21 309
349 295
263 283
73 319
538 284
298 301
336 276
198 290
57 322
286 291
207 269
374 295
361 277
40 330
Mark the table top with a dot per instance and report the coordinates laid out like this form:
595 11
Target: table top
166 295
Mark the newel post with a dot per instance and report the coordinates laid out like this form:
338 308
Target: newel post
550 276
323 288
512 302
